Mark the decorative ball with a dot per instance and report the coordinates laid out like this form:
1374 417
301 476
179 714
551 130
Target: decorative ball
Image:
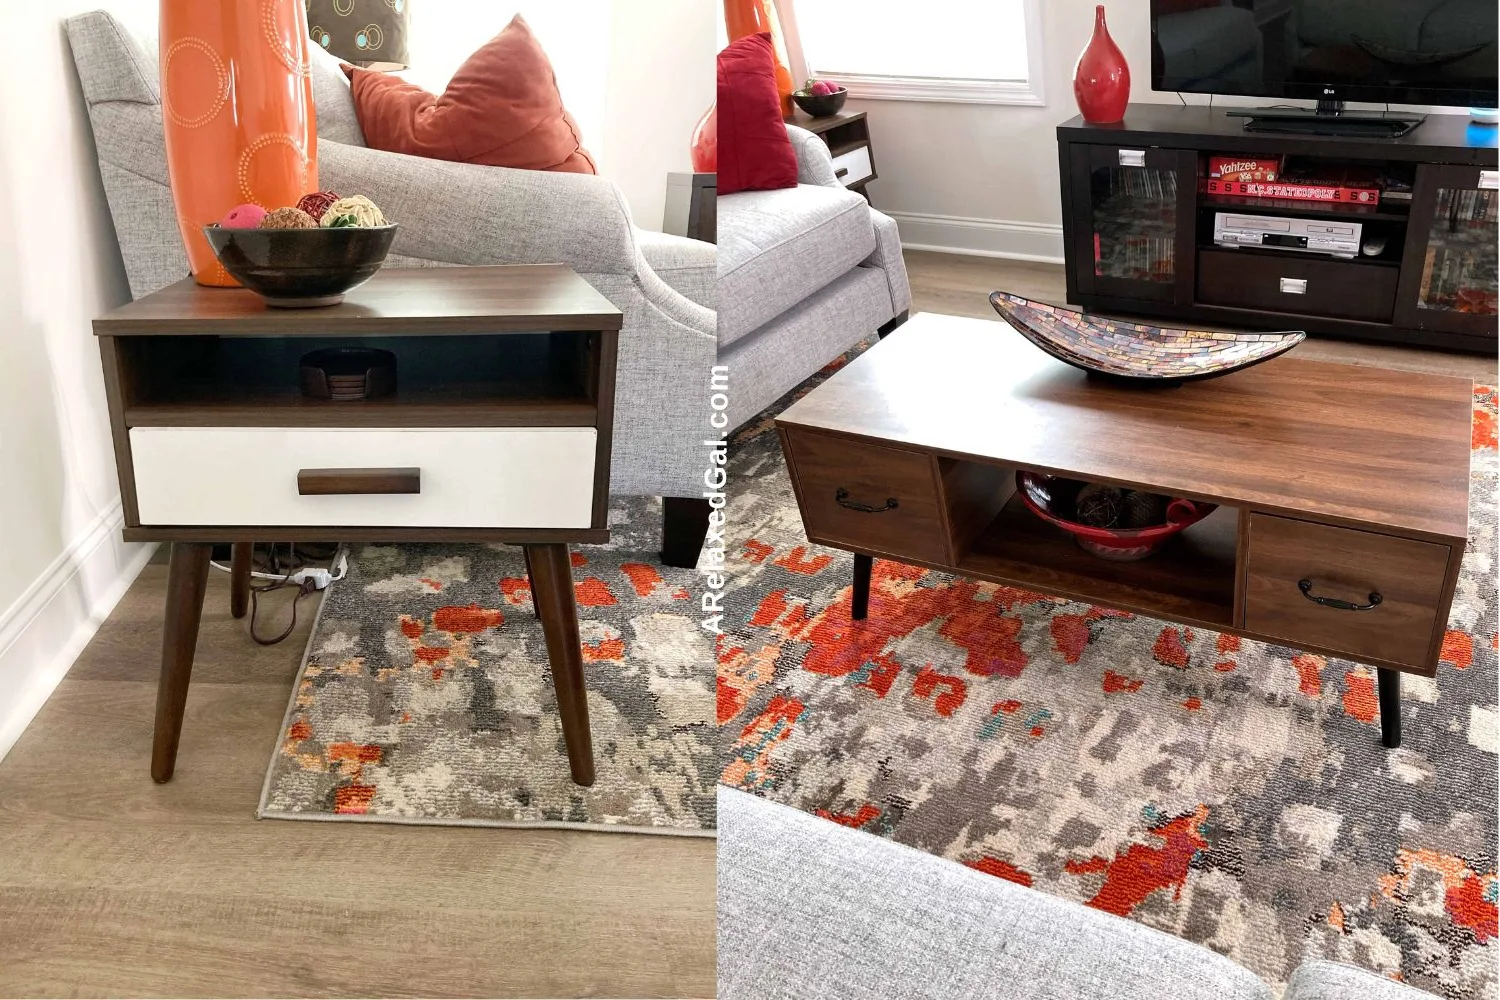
1143 510
356 210
243 217
288 218
1099 506
317 203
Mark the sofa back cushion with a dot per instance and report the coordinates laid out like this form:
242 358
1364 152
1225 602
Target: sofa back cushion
754 151
117 64
502 108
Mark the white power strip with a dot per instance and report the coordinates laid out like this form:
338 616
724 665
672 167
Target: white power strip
319 577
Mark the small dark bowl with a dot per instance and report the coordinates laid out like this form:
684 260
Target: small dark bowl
824 105
297 268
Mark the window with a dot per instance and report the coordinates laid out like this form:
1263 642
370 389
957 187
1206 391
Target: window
982 51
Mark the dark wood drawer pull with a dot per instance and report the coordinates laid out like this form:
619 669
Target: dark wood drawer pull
841 497
345 482
1333 602
841 172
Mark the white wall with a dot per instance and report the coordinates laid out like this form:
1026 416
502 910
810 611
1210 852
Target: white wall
635 74
62 566
983 177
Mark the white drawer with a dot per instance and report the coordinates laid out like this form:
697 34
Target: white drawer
855 164
471 477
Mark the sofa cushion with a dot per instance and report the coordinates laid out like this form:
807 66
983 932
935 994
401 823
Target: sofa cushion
333 100
1319 980
778 247
808 909
501 109
117 65
113 64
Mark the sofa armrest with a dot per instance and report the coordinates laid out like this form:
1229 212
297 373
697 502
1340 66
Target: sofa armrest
814 162
1321 980
465 213
690 267
888 258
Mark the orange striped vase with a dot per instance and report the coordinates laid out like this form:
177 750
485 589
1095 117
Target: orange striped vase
238 110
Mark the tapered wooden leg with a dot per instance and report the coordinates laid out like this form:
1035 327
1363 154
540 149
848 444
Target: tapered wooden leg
1390 706
239 578
684 527
861 604
552 593
530 576
187 579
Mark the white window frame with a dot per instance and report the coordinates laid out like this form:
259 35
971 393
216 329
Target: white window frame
1027 92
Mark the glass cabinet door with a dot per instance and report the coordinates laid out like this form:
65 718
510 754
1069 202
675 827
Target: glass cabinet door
1451 281
1133 214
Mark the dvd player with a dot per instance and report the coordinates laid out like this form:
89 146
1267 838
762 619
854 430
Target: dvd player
1335 239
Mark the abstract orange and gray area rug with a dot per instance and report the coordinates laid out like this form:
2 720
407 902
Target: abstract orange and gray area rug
425 695
1229 792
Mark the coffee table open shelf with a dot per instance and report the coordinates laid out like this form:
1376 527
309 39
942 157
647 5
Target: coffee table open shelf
1191 579
1342 491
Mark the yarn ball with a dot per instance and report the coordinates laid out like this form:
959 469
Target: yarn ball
243 217
317 203
1143 510
1099 506
356 210
288 218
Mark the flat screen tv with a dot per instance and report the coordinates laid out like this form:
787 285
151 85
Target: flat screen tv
1439 52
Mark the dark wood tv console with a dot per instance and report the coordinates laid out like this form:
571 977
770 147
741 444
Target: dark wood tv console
1139 235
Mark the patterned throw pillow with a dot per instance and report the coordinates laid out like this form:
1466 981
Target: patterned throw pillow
362 32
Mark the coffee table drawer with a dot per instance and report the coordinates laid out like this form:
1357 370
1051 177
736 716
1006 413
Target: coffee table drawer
1347 566
867 497
480 477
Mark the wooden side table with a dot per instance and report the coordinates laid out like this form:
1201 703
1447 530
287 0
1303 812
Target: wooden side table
847 135
499 431
691 208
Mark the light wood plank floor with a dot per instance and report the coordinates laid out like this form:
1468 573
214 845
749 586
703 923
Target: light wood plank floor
111 885
960 286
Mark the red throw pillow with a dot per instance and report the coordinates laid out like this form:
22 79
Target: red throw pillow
754 151
501 108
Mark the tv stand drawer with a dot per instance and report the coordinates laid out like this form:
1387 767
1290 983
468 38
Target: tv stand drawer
1316 286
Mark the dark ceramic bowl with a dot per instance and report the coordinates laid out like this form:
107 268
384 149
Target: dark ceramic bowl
822 107
297 268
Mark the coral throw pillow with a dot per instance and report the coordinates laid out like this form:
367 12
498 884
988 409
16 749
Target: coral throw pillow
502 108
754 151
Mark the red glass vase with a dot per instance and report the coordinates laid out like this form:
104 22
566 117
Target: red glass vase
1101 80
705 144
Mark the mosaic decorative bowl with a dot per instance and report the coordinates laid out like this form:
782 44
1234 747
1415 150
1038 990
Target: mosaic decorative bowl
1135 351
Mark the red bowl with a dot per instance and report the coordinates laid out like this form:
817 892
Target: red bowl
1119 544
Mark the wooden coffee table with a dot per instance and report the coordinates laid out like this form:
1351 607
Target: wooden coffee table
499 431
1343 489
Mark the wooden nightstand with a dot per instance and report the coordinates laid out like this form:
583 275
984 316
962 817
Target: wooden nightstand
499 431
847 135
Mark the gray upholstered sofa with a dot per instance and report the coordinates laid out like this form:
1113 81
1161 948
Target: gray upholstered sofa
453 213
811 910
805 273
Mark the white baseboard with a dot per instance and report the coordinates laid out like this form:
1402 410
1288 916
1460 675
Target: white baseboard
43 632
1035 241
